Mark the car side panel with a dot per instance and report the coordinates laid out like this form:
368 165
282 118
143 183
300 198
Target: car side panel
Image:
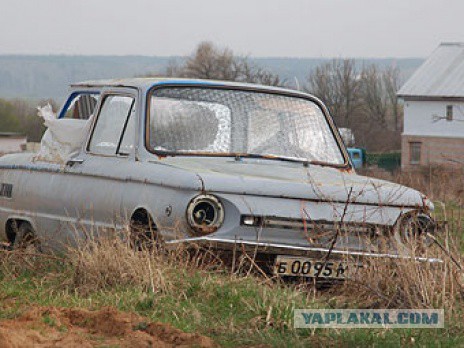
35 198
167 206
94 194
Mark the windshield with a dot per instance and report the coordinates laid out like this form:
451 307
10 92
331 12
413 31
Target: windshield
187 120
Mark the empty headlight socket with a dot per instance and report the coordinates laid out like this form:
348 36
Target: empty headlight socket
205 214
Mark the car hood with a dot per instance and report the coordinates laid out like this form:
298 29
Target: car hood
274 178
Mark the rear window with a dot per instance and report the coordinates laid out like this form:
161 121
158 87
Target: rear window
80 106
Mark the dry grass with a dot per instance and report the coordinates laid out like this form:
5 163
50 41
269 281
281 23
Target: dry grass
406 282
15 263
438 182
383 283
107 261
195 291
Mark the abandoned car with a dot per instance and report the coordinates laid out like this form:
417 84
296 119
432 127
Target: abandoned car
226 164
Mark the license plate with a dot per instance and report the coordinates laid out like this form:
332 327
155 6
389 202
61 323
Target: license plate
305 267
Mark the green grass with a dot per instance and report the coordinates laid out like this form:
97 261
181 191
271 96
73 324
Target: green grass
231 310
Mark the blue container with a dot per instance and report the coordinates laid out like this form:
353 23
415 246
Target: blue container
357 156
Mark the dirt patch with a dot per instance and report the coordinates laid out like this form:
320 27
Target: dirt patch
62 327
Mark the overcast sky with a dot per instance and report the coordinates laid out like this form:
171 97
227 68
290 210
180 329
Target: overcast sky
285 28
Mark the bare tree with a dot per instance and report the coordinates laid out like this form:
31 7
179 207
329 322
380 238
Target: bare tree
338 84
392 83
211 62
172 70
321 83
373 95
363 100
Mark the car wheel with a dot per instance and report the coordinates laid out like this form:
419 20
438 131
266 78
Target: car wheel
143 232
26 238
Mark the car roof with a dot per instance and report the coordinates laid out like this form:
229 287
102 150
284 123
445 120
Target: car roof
148 82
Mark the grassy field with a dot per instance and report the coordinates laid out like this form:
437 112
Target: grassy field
196 294
231 310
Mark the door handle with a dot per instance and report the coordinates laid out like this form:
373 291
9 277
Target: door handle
74 161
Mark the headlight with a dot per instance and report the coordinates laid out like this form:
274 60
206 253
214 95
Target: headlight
428 204
416 227
205 214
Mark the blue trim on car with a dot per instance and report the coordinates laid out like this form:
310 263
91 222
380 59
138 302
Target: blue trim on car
71 98
186 82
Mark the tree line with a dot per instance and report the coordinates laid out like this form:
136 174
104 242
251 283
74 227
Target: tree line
20 116
360 98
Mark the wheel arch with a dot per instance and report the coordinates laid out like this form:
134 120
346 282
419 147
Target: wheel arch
12 223
143 215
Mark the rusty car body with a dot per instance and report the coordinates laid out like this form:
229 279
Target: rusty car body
208 162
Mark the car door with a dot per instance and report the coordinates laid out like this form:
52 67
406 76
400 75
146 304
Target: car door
98 174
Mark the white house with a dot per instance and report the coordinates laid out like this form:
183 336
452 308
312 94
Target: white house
434 110
12 142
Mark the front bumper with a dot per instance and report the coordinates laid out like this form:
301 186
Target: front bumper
286 249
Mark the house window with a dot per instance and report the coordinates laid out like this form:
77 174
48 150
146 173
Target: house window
449 112
415 152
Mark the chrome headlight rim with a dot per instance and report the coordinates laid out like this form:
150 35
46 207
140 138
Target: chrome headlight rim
416 226
205 214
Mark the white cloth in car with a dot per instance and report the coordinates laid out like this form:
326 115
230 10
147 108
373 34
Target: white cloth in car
63 138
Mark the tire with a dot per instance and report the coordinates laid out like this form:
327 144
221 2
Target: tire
25 238
143 232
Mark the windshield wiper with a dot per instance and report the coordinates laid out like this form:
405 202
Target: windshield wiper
327 164
238 156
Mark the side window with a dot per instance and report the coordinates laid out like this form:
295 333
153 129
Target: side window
81 106
111 124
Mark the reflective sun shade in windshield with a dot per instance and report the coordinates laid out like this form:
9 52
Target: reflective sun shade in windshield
187 120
